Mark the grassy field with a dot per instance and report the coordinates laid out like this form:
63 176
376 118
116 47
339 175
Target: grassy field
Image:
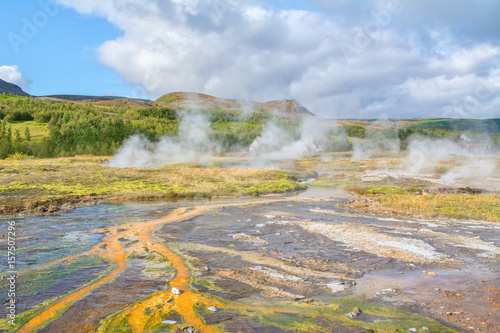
32 184
37 131
414 196
453 206
45 185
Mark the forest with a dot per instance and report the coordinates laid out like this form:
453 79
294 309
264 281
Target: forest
44 128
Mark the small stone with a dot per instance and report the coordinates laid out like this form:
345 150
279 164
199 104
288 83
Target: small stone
212 308
176 291
169 322
207 269
425 328
413 329
149 243
356 312
189 329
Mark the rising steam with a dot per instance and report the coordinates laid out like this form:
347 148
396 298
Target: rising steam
195 143
425 154
276 144
192 144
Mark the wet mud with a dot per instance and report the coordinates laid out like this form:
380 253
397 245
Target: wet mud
276 264
126 289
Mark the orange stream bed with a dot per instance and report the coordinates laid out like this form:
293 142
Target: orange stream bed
112 250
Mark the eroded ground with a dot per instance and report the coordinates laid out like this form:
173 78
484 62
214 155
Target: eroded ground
266 265
296 263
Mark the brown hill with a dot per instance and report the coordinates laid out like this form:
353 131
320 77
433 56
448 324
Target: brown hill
286 107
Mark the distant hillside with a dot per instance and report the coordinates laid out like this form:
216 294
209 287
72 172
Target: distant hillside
99 100
11 88
474 125
287 107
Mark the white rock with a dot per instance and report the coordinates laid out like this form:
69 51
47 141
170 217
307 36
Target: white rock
149 243
413 329
169 322
176 291
212 308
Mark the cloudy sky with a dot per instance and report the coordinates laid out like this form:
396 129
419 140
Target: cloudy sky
339 58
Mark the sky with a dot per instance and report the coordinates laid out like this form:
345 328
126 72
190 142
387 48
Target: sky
372 59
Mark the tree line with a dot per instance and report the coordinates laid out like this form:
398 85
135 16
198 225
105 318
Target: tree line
77 128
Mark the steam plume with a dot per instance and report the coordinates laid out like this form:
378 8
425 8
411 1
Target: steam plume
192 144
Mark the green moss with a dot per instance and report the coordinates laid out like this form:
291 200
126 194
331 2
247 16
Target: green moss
26 184
303 317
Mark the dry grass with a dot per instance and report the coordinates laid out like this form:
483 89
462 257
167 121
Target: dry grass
484 207
28 182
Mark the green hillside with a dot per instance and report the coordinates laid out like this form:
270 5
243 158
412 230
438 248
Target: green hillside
54 127
45 127
473 125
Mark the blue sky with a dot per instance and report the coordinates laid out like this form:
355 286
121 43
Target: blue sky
339 58
61 56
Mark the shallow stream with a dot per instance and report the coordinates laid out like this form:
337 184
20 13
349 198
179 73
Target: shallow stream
273 264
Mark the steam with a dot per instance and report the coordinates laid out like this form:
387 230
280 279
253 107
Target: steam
479 168
425 154
192 144
276 144
376 141
195 143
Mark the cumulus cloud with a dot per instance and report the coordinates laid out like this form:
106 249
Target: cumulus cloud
339 58
12 74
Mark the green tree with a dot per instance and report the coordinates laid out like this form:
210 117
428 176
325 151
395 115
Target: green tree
27 134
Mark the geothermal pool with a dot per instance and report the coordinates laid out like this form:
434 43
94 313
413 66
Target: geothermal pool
270 264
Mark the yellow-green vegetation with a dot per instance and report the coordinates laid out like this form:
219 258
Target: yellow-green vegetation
37 131
484 207
331 312
168 98
25 184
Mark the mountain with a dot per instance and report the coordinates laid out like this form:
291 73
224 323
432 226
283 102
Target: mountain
287 107
11 88
185 100
176 100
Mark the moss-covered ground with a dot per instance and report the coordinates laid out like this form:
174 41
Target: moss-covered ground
27 184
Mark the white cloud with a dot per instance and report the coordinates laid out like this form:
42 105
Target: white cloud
351 59
13 75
